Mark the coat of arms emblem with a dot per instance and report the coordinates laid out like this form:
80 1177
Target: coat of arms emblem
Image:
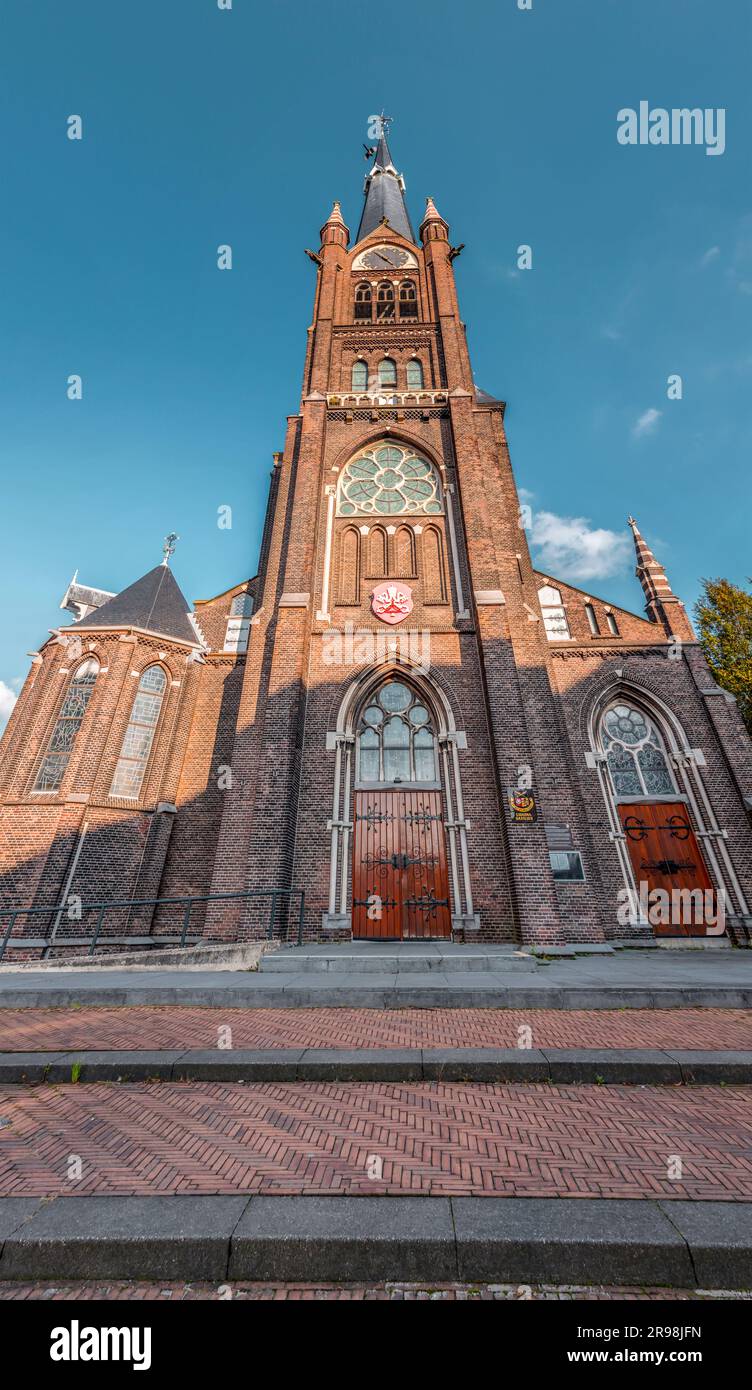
392 602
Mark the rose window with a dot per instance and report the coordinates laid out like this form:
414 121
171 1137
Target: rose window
386 480
635 753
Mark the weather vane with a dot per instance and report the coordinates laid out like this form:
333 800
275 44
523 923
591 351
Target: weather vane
168 548
378 128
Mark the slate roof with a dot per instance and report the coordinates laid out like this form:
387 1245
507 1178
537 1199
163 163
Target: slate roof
154 603
384 198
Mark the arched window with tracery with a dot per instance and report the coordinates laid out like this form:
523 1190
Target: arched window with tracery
359 375
385 300
363 301
139 735
408 300
386 479
67 725
635 753
396 739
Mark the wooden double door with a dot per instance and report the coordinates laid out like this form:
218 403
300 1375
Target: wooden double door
400 881
665 855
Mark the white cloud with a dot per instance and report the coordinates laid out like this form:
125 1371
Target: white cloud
8 699
712 254
568 546
646 423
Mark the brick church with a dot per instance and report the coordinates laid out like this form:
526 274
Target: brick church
397 715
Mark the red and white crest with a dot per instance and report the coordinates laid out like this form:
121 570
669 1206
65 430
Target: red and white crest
392 602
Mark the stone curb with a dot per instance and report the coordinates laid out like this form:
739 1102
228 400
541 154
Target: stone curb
255 995
676 1244
561 1066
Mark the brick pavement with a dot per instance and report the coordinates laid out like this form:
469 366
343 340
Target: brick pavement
433 1139
30 1030
123 1291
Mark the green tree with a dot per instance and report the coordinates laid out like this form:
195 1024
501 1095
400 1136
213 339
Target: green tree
724 625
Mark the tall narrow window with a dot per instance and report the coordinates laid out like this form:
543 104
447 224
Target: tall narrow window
408 300
415 374
377 553
387 372
385 301
434 582
613 626
349 567
404 552
67 725
592 619
139 736
363 299
554 614
359 375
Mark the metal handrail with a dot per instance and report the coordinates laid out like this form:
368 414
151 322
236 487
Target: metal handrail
102 908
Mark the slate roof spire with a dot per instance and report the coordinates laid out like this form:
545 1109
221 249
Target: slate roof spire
155 603
385 193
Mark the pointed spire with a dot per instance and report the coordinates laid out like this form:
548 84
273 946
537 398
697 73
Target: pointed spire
433 227
335 230
655 586
384 189
154 603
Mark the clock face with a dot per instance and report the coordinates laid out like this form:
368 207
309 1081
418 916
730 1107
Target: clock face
384 258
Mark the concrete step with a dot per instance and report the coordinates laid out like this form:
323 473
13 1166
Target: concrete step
342 960
561 1066
564 1240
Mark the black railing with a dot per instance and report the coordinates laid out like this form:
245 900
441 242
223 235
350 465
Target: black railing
60 921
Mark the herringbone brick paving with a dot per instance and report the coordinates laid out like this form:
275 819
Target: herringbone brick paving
123 1291
39 1030
439 1139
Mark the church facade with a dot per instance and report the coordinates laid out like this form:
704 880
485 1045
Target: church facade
398 715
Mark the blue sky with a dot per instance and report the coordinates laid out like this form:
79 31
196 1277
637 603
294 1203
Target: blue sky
203 126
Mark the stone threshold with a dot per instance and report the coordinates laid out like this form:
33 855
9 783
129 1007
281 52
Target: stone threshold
675 1244
559 1066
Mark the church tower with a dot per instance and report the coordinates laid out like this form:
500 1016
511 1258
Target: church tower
398 716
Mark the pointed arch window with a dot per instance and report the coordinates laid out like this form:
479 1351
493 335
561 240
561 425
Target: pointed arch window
359 375
415 374
363 301
139 735
349 566
385 300
635 753
387 372
377 553
404 552
67 725
408 300
396 737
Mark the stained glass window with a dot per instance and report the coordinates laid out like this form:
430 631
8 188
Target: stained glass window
139 735
635 754
414 374
359 375
67 725
396 741
386 480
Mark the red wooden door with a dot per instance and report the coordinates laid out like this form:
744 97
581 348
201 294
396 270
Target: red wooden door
665 854
400 880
